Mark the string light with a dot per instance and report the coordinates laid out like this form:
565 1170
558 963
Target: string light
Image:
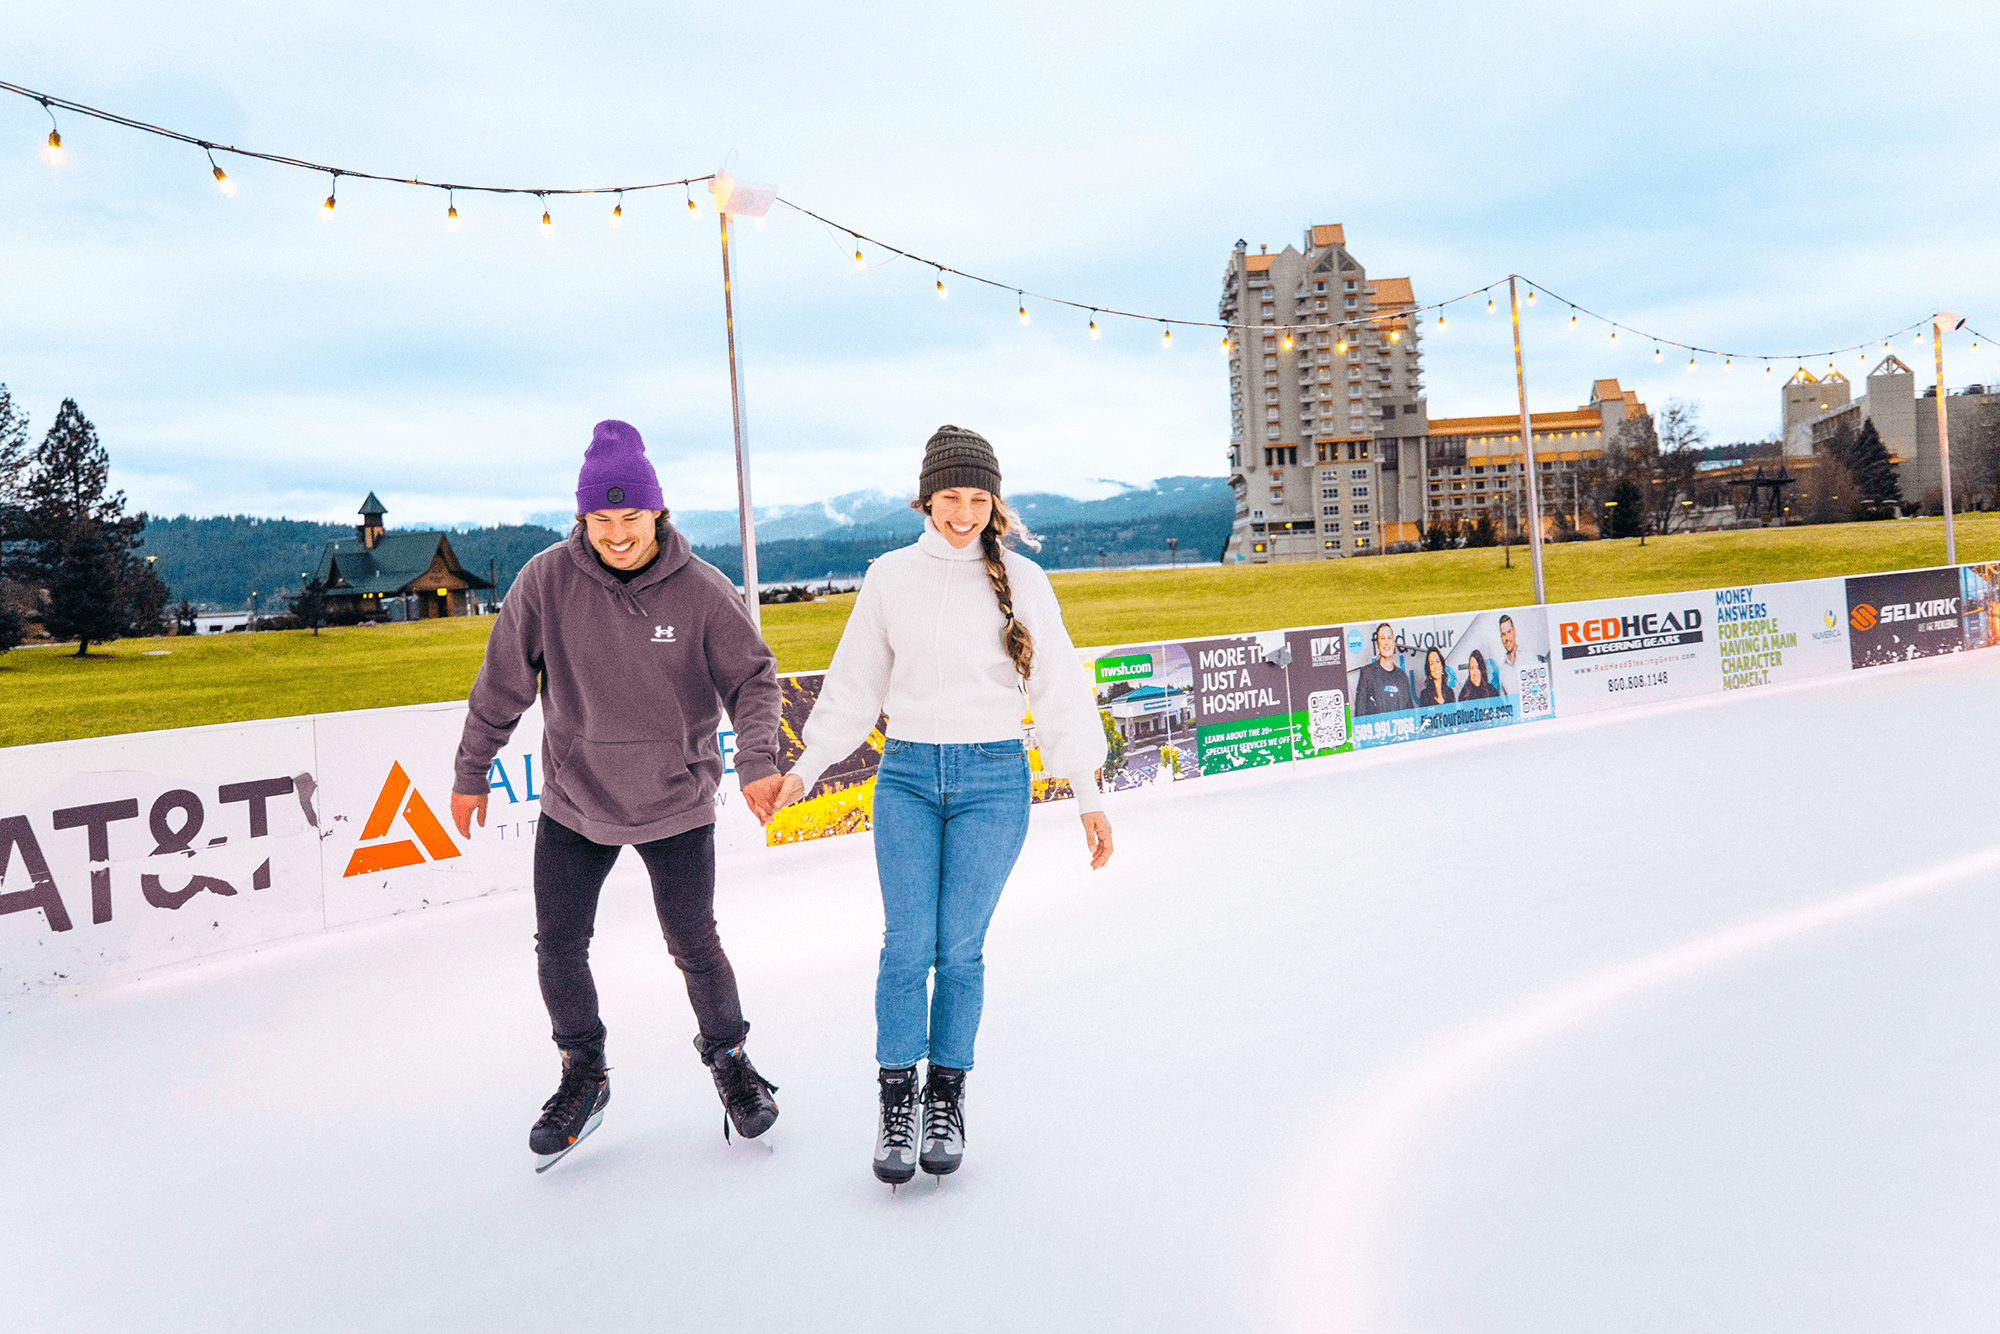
618 210
1023 311
1340 346
53 152
451 210
1490 307
858 264
1767 370
1656 352
222 181
1166 335
1440 321
1572 317
1531 296
326 209
942 294
548 223
1287 344
1395 335
1225 345
1093 323
1690 362
693 212
1614 335
1728 363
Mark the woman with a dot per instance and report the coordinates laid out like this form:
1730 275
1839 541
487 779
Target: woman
1477 686
1434 691
634 645
945 638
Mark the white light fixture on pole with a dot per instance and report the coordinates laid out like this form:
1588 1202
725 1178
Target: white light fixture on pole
734 199
1528 448
1942 322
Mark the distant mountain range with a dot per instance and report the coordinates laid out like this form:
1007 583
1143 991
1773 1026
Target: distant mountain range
219 561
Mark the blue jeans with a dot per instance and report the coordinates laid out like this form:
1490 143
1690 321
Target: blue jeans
949 822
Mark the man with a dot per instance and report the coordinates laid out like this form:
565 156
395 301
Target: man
1507 670
632 643
1382 686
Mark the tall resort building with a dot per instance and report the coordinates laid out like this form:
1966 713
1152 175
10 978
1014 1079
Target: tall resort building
1326 403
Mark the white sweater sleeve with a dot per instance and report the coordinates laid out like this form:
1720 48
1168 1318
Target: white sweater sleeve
852 691
1067 724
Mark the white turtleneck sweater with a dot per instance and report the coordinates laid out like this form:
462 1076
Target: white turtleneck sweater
923 646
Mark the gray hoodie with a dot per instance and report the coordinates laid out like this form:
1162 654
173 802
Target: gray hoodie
630 676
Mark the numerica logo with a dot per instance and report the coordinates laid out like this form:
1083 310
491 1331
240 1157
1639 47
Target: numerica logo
1867 616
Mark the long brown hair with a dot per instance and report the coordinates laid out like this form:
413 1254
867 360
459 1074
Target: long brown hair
1014 636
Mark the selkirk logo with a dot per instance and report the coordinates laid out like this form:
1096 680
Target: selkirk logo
374 856
1862 617
663 634
1866 616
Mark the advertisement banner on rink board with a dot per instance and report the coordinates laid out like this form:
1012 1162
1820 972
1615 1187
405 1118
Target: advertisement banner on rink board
129 852
1145 699
1979 604
1620 651
1427 676
843 800
1322 710
1241 704
1904 616
1766 634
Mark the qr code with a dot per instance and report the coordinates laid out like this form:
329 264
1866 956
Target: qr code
1535 700
1326 719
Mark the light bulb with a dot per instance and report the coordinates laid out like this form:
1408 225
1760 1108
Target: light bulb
223 182
1395 335
858 263
1490 307
1440 319
1023 312
1728 363
1340 346
1531 296
1225 345
1166 338
1093 327
451 217
942 294
617 214
692 210
1767 370
1657 354
1572 319
548 223
1614 338
326 210
53 154
1690 363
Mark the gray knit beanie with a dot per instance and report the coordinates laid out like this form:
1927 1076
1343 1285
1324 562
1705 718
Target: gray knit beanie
954 456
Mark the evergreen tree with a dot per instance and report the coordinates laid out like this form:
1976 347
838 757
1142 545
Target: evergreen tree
1481 533
142 598
1627 518
13 471
12 628
83 595
309 605
66 481
1869 462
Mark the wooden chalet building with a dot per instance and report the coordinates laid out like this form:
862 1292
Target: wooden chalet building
359 572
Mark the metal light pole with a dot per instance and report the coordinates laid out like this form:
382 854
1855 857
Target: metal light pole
1528 447
749 201
1938 324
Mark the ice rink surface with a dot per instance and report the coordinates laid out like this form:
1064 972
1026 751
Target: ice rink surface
1684 1020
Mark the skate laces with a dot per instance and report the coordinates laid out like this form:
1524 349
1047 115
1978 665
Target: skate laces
740 1081
577 1089
899 1107
942 1100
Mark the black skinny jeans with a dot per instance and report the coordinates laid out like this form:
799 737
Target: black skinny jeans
569 873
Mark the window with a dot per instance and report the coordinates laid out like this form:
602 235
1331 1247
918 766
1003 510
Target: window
1320 304
1362 525
1332 544
1277 493
1256 514
1271 431
1330 509
1409 409
1329 475
1329 492
1479 485
1353 302
1350 284
1319 287
1359 490
1389 413
1360 542
1436 487
1270 376
1357 475
1478 470
1361 508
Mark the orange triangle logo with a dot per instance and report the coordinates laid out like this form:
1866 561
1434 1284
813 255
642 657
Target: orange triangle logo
417 816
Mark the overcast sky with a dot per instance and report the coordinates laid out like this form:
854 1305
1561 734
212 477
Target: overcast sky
1755 177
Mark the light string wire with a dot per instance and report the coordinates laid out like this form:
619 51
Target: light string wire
1410 313
49 100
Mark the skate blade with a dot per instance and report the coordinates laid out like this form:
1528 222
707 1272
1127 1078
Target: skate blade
544 1161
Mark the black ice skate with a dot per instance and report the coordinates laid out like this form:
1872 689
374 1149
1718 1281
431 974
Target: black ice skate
896 1133
576 1109
944 1121
746 1095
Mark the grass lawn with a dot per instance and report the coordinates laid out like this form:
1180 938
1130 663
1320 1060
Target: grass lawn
48 694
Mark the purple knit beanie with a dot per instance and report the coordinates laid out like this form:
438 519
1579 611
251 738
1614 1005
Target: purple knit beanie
615 472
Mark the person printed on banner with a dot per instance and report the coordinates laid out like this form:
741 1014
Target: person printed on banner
1382 686
945 639
1476 686
1507 670
1436 689
635 647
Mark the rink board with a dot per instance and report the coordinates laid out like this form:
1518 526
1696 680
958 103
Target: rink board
126 853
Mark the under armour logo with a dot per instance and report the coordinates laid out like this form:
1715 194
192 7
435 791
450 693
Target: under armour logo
663 634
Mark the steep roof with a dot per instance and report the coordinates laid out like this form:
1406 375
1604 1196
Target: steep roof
1329 233
1257 263
1582 419
396 563
1394 292
372 506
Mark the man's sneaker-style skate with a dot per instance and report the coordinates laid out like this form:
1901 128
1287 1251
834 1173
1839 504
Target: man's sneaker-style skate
745 1094
577 1107
944 1121
896 1132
